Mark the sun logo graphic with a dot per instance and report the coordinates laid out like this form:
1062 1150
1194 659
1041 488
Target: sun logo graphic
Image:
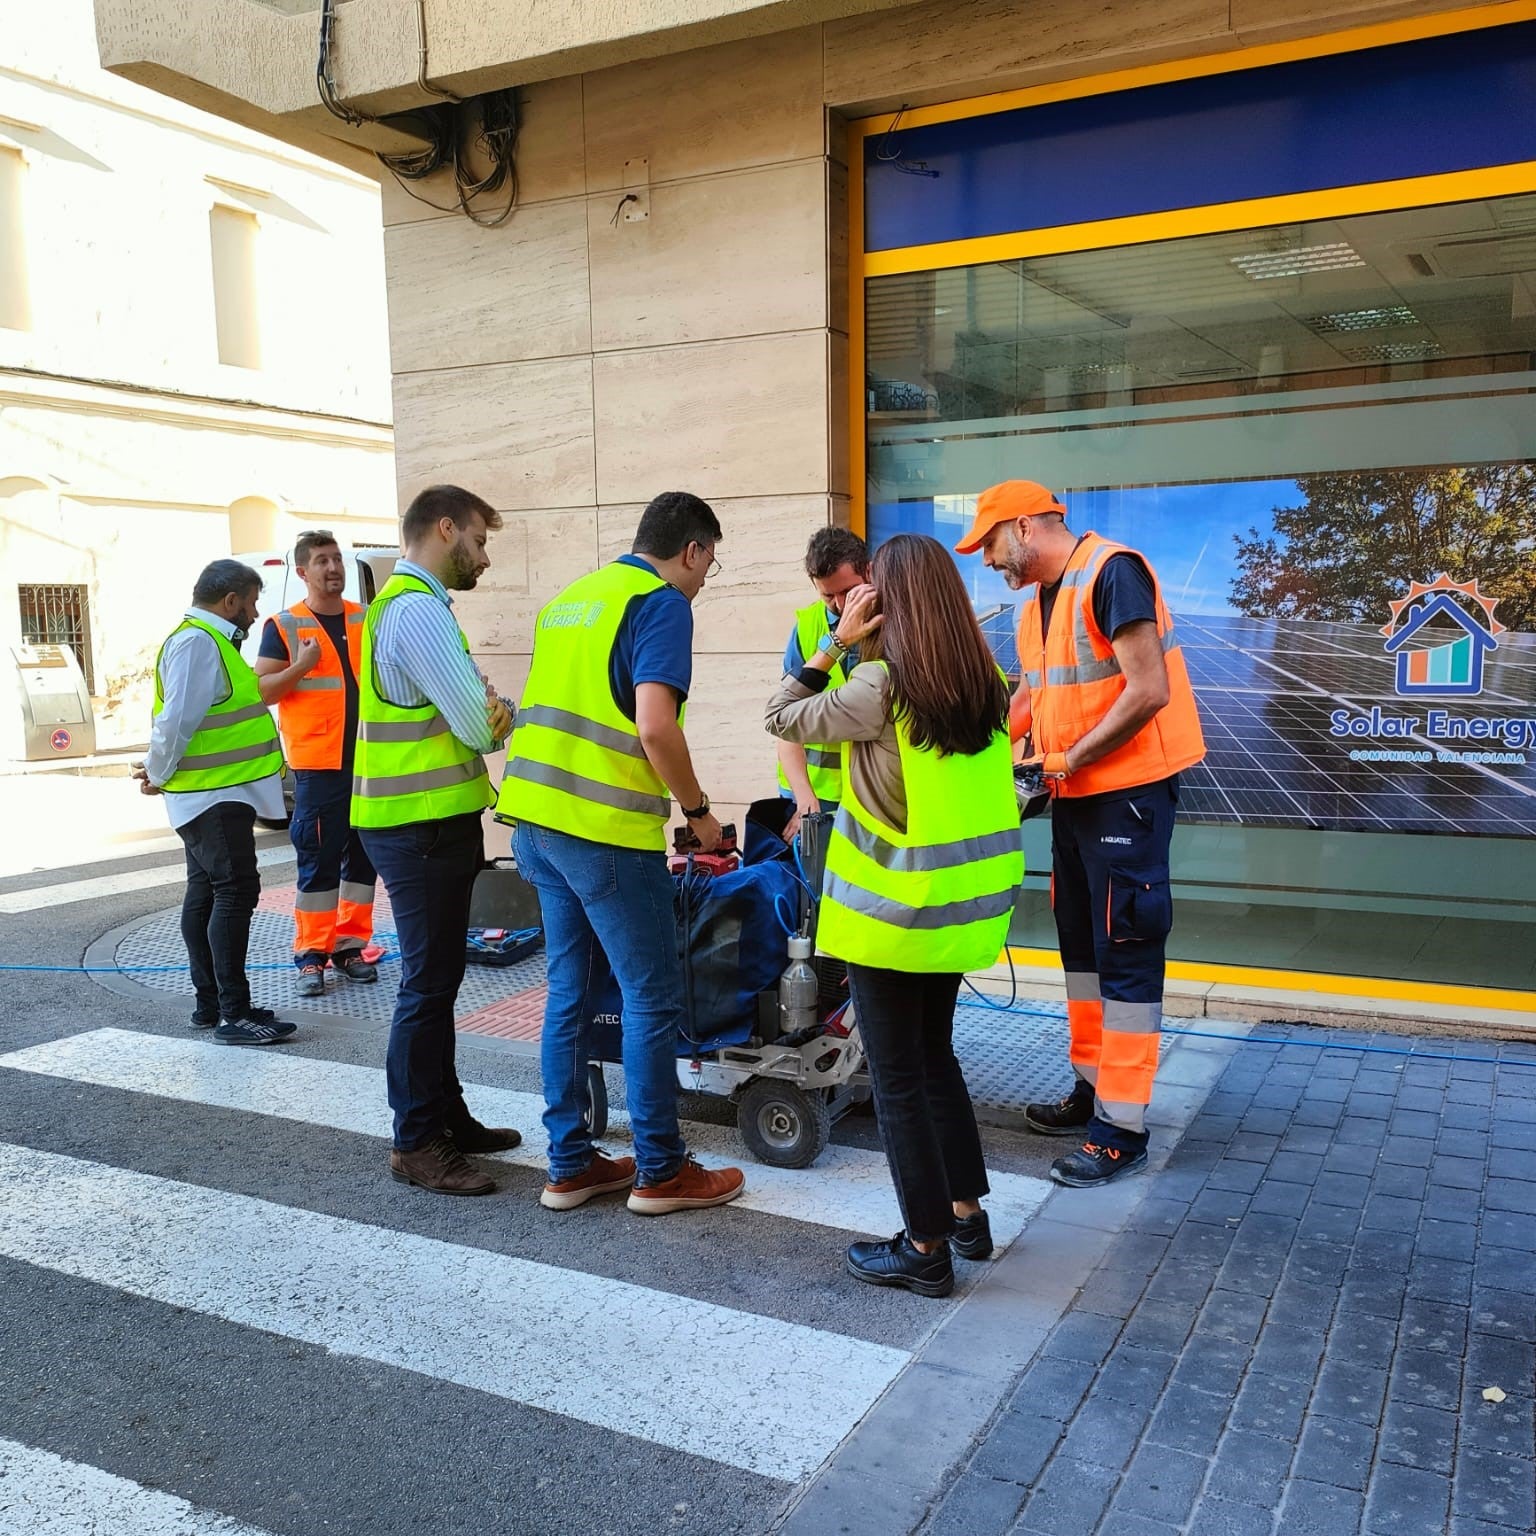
1442 663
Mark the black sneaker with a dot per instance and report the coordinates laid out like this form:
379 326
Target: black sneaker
898 1262
312 981
259 1026
972 1237
205 1018
1066 1117
1097 1162
355 968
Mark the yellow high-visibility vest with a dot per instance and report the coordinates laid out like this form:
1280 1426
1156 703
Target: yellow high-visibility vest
823 760
576 762
409 765
937 896
236 741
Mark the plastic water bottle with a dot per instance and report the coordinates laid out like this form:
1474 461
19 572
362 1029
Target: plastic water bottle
799 990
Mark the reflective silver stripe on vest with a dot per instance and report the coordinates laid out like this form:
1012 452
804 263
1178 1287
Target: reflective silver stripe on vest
934 856
1031 678
824 757
419 783
402 730
583 788
216 719
250 754
975 909
289 624
317 685
578 725
1096 671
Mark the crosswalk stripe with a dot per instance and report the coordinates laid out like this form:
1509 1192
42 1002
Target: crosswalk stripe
849 1188
68 892
763 1394
44 1495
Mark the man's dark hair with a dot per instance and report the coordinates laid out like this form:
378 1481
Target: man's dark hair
439 501
672 522
831 549
316 538
220 579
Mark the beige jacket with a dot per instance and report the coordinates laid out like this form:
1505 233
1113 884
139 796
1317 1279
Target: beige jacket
859 715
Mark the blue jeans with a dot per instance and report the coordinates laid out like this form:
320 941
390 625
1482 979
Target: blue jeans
614 904
428 869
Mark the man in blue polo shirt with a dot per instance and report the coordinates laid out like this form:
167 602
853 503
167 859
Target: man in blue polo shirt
598 750
837 561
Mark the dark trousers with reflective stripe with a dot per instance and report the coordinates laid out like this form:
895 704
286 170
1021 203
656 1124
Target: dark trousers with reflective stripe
223 887
333 913
1109 891
922 1106
428 869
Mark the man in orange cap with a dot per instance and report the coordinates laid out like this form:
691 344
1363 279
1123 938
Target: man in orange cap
1105 702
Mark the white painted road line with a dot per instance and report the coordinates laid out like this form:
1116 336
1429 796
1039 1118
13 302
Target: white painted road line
71 891
43 1495
849 1188
768 1396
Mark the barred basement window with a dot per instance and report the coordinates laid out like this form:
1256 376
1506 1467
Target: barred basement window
55 614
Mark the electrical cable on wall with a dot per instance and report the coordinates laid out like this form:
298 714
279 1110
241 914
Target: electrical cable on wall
460 134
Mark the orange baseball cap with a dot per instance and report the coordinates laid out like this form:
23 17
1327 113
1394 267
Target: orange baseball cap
1002 504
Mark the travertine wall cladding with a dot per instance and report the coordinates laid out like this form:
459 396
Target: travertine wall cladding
569 364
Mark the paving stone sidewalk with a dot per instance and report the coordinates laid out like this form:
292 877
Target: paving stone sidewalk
1294 1334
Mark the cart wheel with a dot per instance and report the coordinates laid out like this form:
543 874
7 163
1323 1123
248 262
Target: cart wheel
596 1114
782 1124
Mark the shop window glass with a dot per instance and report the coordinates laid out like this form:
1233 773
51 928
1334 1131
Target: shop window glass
1323 436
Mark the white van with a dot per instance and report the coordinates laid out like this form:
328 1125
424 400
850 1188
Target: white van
368 568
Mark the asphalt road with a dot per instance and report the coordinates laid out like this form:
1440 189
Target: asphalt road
217 1306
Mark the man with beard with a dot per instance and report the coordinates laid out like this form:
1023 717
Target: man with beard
1113 722
426 717
308 666
213 754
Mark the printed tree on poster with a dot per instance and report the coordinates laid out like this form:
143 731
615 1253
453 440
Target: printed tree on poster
1358 540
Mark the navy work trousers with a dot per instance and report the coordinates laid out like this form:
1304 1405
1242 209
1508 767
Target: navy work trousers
428 869
1110 895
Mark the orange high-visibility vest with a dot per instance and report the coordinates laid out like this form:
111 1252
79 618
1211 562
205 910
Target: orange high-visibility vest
1074 678
313 713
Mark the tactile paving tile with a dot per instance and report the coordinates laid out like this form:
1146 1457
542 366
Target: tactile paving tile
1011 1056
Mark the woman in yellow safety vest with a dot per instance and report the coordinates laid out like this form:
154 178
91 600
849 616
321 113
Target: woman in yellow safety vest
923 869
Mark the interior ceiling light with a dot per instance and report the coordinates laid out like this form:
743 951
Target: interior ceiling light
1362 319
1333 257
1393 352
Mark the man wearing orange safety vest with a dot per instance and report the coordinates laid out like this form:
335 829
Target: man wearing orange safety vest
308 666
1105 704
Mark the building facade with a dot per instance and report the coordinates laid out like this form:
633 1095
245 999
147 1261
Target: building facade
1252 286
192 356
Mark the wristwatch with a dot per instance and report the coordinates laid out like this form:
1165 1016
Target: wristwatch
699 811
833 647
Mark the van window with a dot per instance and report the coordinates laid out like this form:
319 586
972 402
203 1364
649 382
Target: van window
365 581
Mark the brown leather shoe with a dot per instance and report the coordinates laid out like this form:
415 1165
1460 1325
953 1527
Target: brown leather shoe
474 1137
602 1176
441 1167
690 1188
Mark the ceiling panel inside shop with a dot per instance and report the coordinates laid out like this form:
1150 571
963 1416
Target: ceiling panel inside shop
1444 289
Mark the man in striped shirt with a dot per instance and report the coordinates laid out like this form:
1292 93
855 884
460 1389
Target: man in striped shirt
422 827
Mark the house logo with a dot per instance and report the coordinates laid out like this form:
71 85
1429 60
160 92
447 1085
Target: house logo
1442 663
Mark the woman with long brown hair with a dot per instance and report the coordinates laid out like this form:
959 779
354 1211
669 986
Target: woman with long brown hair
923 869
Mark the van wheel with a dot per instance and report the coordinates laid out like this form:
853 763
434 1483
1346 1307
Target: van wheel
783 1125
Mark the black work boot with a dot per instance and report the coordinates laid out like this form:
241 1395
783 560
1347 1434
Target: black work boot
972 1237
900 1262
1066 1117
1107 1153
